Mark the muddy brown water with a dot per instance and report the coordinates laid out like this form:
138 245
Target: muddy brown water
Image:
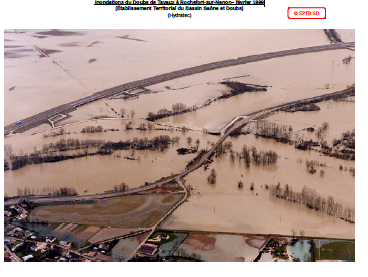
43 80
222 207
96 174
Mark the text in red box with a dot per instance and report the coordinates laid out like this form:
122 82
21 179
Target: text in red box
306 13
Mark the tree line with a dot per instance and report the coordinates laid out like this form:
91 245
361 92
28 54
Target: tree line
26 191
177 108
310 198
279 132
250 154
52 152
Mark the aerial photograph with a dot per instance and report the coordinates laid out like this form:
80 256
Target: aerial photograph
124 145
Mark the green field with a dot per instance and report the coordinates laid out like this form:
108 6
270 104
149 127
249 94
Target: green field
336 250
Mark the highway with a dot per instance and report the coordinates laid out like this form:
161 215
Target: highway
166 77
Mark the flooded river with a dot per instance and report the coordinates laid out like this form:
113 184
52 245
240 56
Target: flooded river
289 79
225 207
81 62
96 174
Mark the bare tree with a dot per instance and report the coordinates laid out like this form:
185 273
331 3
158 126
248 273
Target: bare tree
240 184
122 112
132 114
293 231
212 177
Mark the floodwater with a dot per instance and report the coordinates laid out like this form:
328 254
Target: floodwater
67 74
220 248
261 214
289 79
125 247
96 174
340 116
300 250
225 207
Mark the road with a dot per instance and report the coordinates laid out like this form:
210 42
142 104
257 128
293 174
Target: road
12 254
61 198
174 178
166 77
162 218
247 119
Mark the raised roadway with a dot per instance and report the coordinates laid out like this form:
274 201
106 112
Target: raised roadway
53 198
166 77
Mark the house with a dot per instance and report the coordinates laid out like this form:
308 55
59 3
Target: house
15 230
148 249
65 243
8 240
7 213
33 237
50 239
41 246
28 234
104 246
22 217
165 236
26 258
275 243
17 246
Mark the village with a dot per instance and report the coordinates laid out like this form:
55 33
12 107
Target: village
26 245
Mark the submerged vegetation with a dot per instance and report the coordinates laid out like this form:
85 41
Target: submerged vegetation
53 152
310 198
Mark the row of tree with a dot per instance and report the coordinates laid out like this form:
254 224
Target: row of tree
51 152
250 154
26 191
313 200
281 133
177 108
121 187
302 108
92 129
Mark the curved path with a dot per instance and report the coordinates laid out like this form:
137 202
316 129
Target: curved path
245 120
166 77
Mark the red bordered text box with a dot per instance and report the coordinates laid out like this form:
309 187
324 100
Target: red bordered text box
306 13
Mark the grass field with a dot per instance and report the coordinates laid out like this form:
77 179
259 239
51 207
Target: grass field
336 250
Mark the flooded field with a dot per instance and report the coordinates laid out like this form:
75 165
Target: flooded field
294 79
96 174
125 247
77 63
59 66
225 207
221 248
77 234
340 115
135 211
